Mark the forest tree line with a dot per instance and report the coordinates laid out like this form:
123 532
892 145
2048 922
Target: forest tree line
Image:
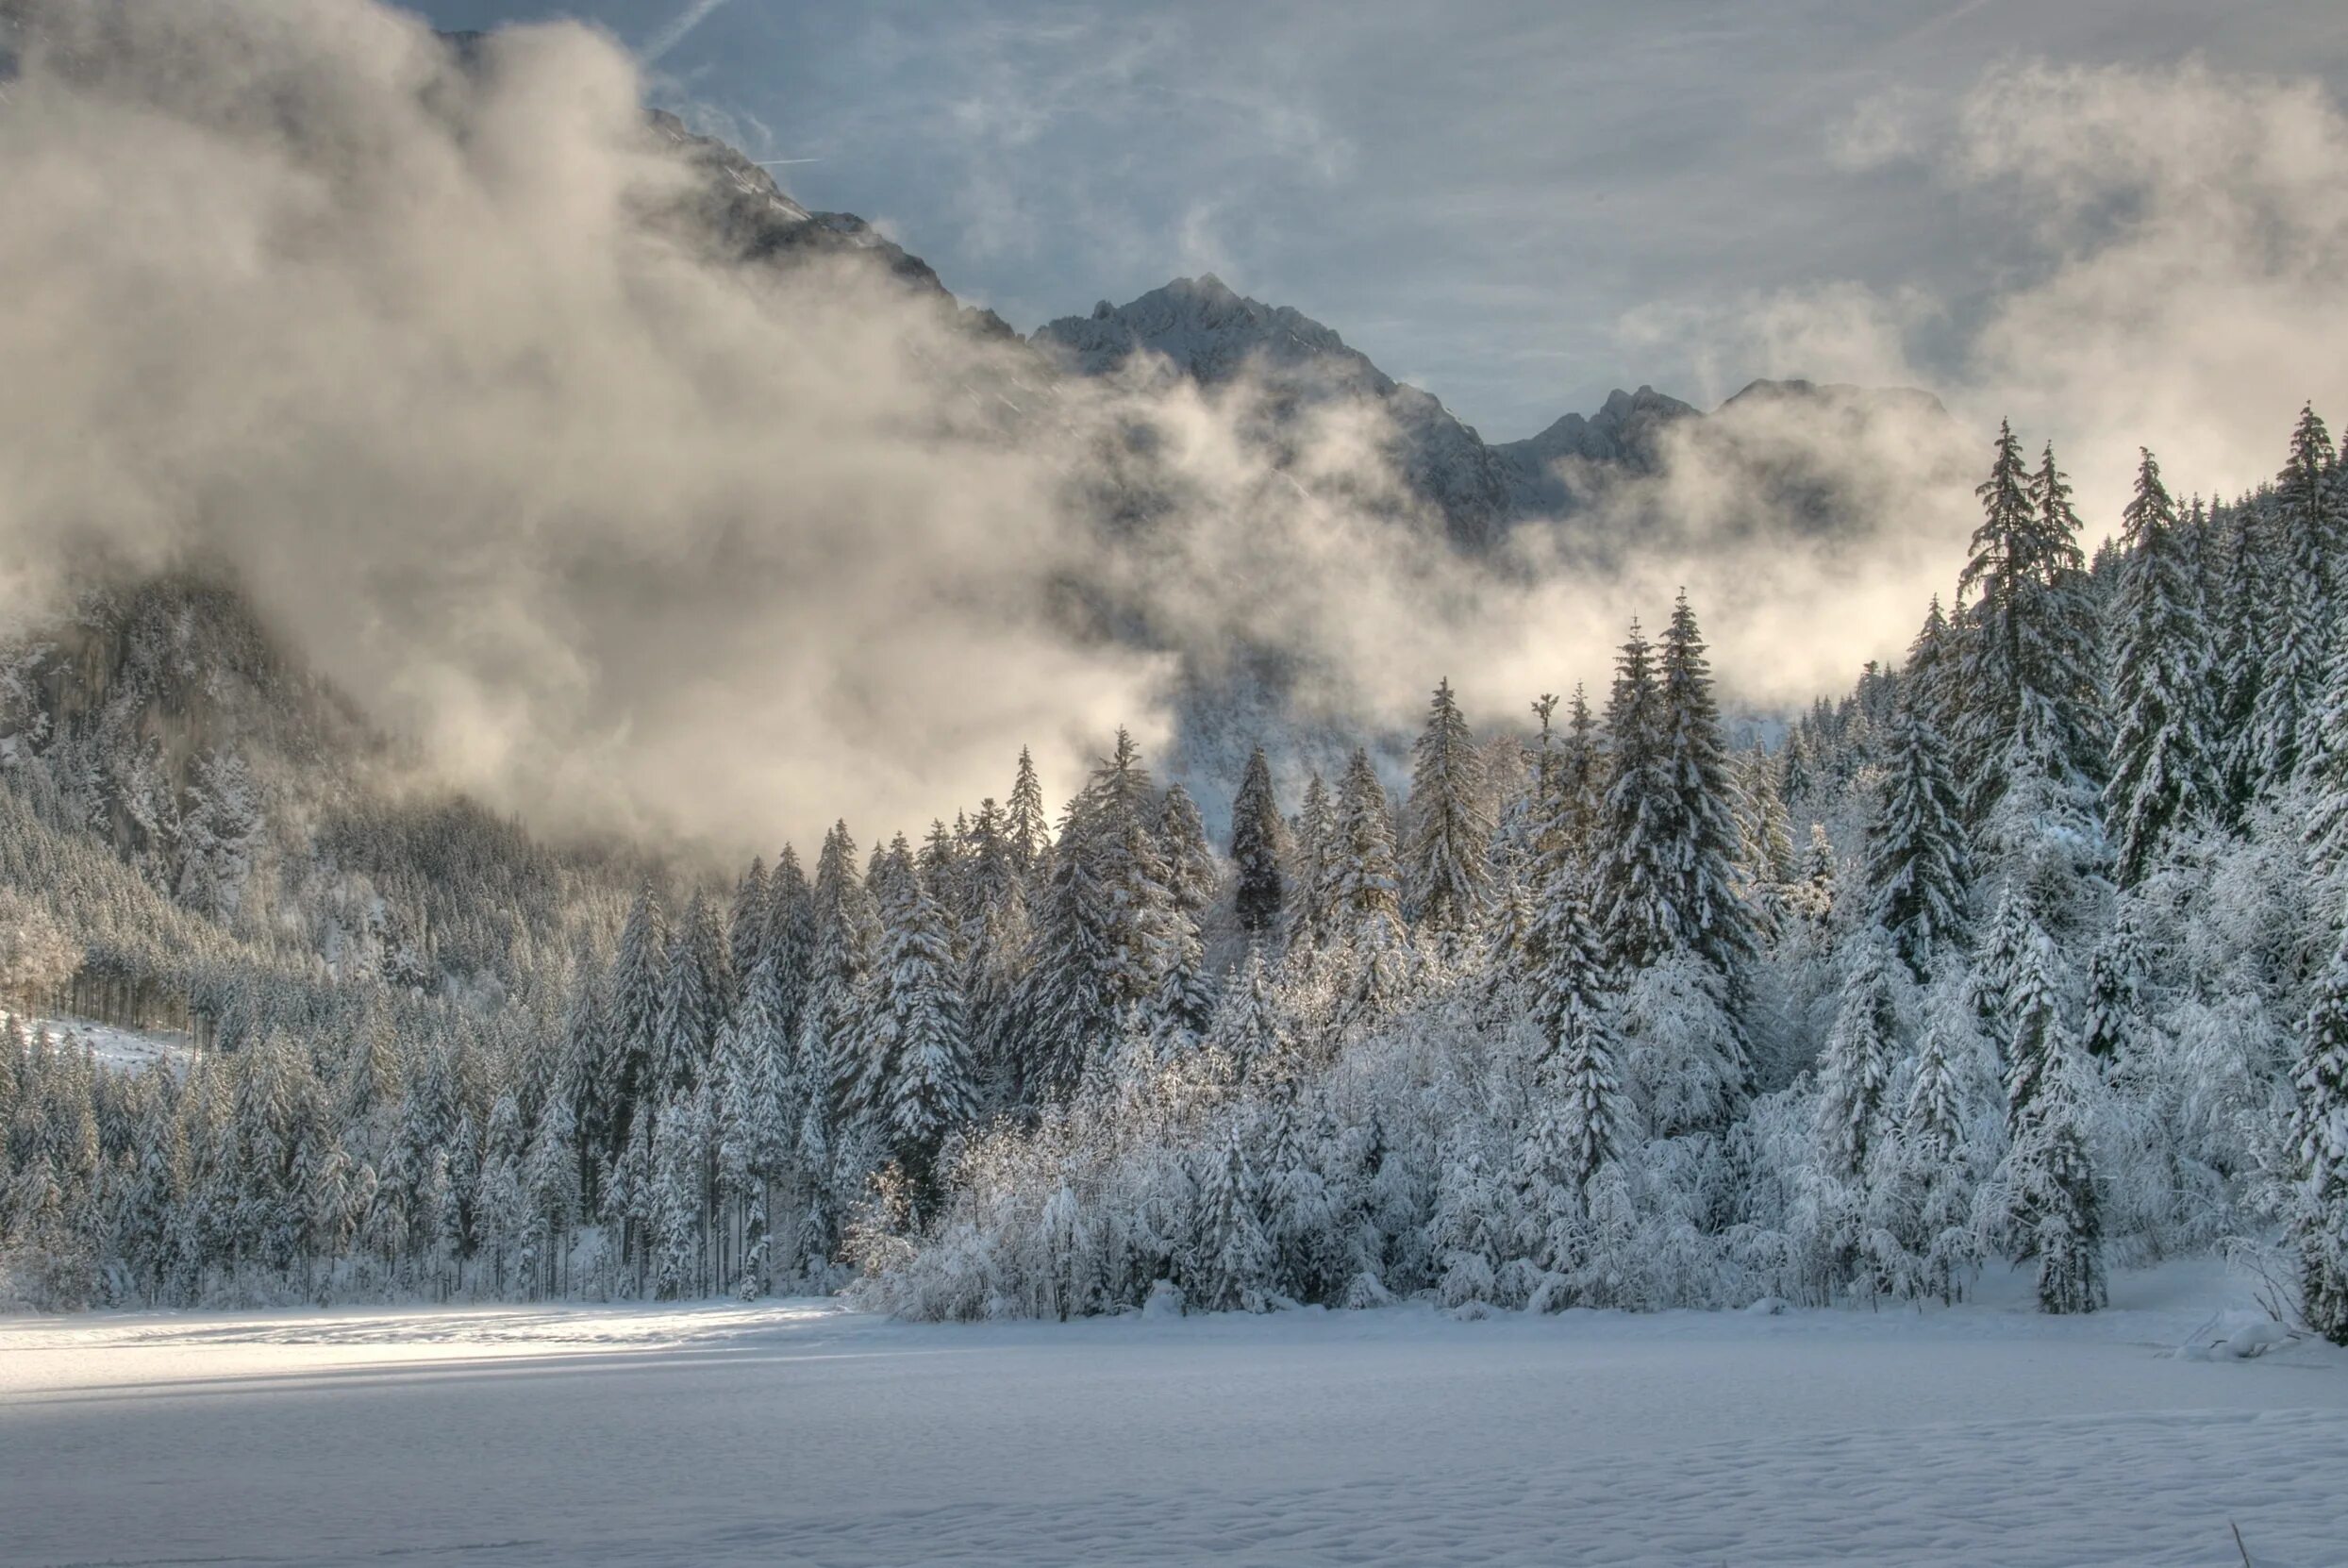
2012 953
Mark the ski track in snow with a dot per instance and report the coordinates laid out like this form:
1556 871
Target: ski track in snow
796 1433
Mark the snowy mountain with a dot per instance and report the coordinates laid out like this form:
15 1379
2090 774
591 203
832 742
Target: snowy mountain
1626 432
746 216
1200 328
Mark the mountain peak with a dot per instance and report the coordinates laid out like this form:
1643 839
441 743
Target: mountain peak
1841 395
1207 330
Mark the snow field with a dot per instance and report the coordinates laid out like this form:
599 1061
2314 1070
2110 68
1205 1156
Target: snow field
797 1433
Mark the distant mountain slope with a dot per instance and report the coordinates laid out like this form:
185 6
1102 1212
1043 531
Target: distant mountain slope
1626 432
266 826
1200 328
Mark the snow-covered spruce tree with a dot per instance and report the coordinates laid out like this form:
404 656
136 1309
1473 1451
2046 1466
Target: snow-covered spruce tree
1710 912
1234 1261
1466 1232
2115 994
1920 1237
2057 1212
2162 777
1765 839
1580 772
1026 830
1638 873
691 1005
1563 960
2325 768
1258 847
2036 1038
2317 1157
1447 879
1593 1115
1249 1030
2301 618
2239 615
1180 1008
1366 903
833 1021
1928 679
1854 1070
1312 844
2028 652
919 1036
628 1034
1103 936
1998 960
672 1213
1816 891
790 938
1916 854
746 918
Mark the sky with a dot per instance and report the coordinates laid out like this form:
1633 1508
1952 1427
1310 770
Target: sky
1517 206
622 533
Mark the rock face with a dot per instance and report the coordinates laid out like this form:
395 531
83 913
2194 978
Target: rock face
1627 433
1198 327
739 209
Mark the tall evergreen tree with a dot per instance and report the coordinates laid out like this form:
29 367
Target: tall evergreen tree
1916 852
1368 886
1448 873
1258 850
1580 772
1856 1068
630 1027
1639 873
920 1049
2324 769
2027 655
834 1019
1184 1000
2059 1207
1313 839
2115 992
791 939
2037 1040
1234 1258
691 1004
2162 775
2301 618
2317 1150
1564 960
1248 1028
1928 680
1592 1111
746 921
1103 936
2242 661
1714 921
1026 830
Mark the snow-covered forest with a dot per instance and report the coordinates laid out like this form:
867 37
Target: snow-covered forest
2026 948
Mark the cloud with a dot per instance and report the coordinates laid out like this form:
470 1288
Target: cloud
624 535
2184 233
2197 229
629 535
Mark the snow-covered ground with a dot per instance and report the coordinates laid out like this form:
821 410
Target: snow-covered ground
798 1433
116 1047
